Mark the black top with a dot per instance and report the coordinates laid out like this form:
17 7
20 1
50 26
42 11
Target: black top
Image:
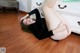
39 28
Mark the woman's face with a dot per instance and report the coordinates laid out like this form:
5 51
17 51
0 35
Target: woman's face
28 21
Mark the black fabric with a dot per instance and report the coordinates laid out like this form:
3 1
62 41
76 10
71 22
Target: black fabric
40 31
39 28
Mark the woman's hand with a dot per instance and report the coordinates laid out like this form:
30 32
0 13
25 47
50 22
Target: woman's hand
26 16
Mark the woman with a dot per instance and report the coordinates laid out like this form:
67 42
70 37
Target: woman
53 25
37 27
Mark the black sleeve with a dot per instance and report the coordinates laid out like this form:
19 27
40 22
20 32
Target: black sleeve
35 11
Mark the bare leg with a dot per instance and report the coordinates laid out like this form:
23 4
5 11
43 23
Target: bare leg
50 3
50 16
55 22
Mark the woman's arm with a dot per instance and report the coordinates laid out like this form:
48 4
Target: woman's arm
35 11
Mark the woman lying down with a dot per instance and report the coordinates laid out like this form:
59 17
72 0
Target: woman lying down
53 25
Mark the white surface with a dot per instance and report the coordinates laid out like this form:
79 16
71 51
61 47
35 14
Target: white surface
27 5
2 50
24 5
71 13
34 5
73 21
72 7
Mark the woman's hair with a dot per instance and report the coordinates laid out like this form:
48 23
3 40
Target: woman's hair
24 27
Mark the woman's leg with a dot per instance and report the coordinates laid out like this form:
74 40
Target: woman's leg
55 22
50 3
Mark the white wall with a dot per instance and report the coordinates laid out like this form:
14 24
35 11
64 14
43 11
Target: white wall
24 5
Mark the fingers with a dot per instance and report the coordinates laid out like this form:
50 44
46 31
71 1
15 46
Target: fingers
26 16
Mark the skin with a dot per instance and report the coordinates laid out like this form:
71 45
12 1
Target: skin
27 20
55 21
50 3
